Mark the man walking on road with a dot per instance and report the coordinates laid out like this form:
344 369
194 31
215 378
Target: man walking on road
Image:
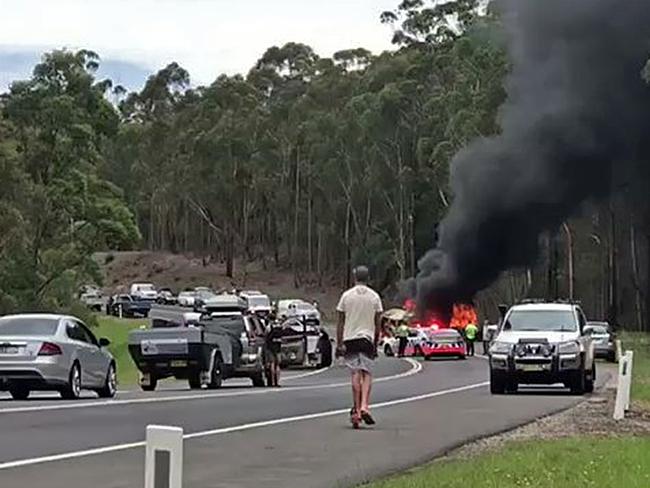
471 331
357 334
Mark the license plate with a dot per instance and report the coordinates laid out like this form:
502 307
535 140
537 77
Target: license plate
178 364
533 367
8 350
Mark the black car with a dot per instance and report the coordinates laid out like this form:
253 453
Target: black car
128 306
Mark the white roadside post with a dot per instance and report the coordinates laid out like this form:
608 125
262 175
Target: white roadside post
619 350
164 457
628 382
623 385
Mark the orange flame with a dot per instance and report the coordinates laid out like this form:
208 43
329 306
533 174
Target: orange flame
463 315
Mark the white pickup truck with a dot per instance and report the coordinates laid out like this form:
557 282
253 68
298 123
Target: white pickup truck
543 343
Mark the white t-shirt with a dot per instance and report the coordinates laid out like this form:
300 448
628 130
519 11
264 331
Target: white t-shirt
359 304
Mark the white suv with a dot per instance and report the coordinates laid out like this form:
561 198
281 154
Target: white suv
542 343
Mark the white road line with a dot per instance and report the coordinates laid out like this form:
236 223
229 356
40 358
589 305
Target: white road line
415 368
236 383
235 428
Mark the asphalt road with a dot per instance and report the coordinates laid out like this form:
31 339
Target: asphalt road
295 436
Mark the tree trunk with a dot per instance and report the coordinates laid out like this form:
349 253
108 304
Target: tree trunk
294 256
612 291
412 234
638 299
151 223
570 259
319 255
348 253
551 269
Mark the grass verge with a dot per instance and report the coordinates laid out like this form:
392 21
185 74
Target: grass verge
117 331
575 463
640 344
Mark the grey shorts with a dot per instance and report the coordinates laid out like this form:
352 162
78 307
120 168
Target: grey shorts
358 361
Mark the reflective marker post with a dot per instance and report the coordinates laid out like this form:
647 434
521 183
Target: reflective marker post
628 380
164 457
624 385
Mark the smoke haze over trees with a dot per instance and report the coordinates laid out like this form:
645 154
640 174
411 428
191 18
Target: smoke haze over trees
573 129
315 164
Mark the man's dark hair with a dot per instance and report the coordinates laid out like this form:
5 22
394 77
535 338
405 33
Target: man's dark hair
361 274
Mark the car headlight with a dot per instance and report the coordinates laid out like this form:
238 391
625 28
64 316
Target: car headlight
501 348
571 347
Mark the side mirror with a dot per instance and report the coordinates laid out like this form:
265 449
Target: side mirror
103 342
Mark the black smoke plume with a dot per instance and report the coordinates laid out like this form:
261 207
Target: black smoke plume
575 126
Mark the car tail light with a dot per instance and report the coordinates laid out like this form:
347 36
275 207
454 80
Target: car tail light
49 349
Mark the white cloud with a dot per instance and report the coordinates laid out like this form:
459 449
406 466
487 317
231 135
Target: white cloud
207 37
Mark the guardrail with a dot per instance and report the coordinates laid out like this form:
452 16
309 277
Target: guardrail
624 385
163 467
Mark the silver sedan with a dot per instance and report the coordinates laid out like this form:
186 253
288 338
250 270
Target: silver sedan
53 352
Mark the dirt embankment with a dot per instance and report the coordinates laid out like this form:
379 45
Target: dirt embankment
180 271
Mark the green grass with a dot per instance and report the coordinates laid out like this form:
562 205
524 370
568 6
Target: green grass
117 331
640 344
567 463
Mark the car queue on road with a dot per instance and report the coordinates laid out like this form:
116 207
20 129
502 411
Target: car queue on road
223 335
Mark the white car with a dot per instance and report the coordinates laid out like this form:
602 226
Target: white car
144 291
258 302
297 308
186 298
543 343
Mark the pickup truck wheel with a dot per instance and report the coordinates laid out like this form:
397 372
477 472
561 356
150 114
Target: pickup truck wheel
325 353
497 383
19 392
216 375
512 386
577 384
590 379
258 380
151 386
195 380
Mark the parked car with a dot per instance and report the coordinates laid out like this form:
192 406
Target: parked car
297 308
604 339
186 298
53 352
166 297
93 300
203 299
143 291
128 306
258 303
543 343
305 344
223 343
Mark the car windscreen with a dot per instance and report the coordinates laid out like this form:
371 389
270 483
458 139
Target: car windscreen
25 326
541 320
597 329
258 301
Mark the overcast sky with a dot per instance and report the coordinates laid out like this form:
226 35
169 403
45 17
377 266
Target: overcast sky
207 37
